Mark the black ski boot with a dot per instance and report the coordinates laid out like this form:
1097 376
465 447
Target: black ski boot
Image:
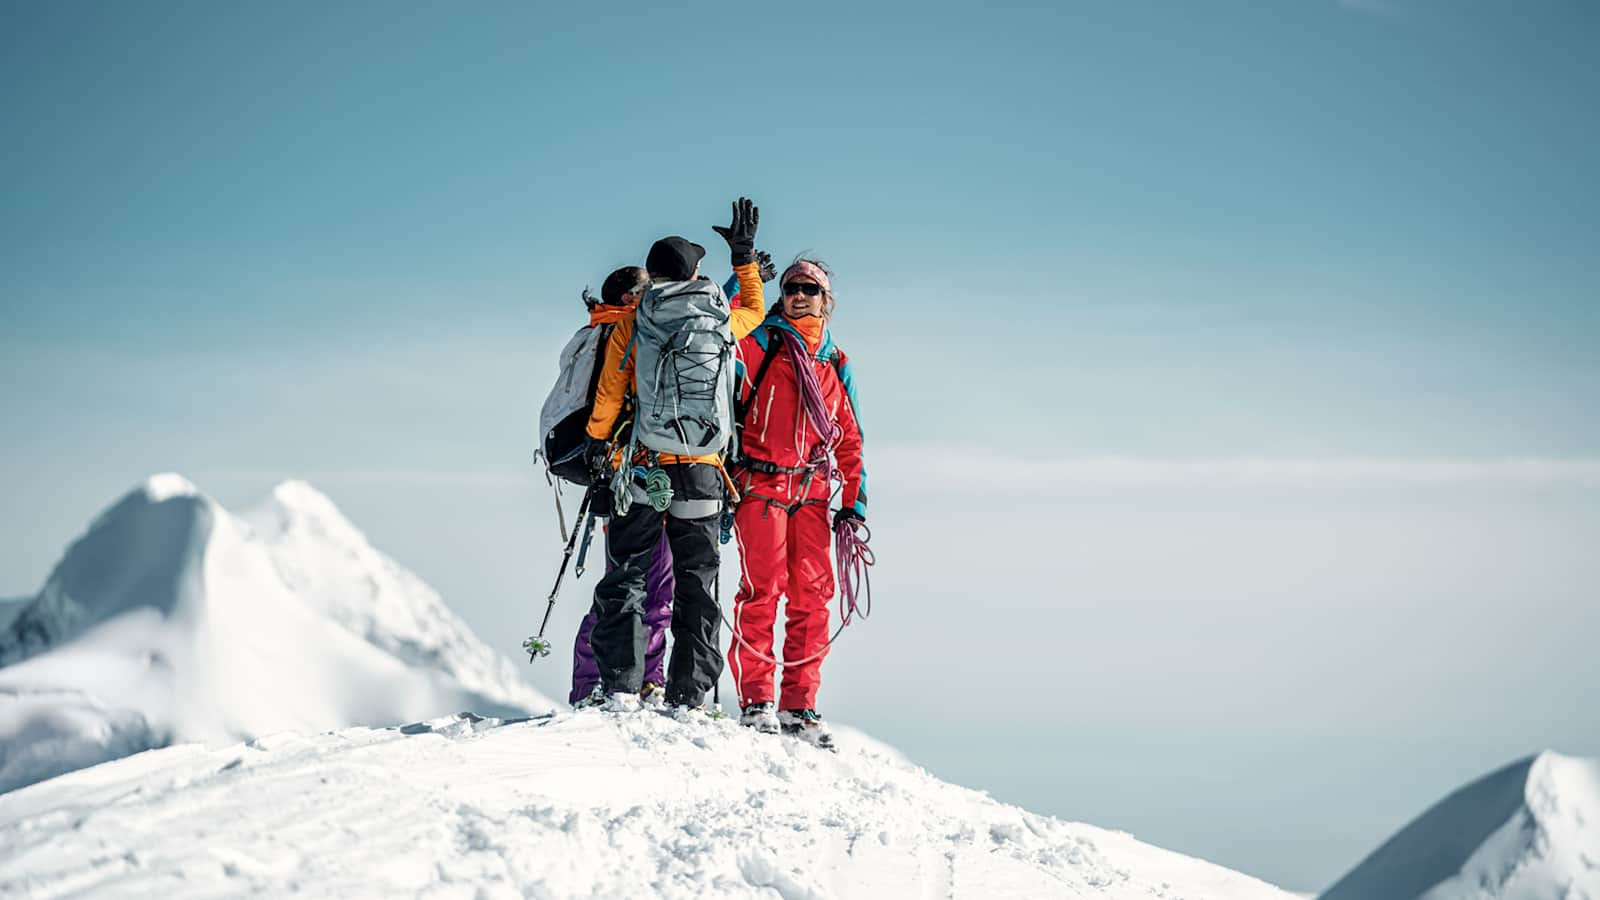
761 717
807 725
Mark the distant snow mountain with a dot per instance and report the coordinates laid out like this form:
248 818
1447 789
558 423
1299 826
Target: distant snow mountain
173 620
1530 831
586 804
9 607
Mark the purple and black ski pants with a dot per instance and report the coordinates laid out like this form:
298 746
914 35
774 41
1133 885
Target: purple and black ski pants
657 614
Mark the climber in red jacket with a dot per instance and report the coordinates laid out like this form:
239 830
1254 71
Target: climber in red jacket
798 426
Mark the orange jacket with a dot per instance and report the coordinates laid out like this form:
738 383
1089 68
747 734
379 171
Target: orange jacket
616 374
610 313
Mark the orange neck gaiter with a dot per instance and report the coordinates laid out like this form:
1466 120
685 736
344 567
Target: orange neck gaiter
810 328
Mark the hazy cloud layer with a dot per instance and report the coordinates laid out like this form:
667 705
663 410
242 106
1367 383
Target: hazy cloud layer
979 467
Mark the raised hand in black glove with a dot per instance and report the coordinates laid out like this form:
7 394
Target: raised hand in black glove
741 234
597 458
848 514
768 268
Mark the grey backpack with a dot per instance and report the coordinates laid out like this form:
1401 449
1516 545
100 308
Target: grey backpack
683 369
564 418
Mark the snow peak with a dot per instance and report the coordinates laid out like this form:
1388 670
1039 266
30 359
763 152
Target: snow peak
683 369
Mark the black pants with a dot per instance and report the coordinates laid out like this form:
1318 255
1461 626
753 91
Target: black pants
619 636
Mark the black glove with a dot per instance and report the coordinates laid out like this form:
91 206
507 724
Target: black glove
768 268
741 235
597 458
848 514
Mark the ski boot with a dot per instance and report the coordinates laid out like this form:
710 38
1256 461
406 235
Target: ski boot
683 709
808 726
620 702
653 697
761 717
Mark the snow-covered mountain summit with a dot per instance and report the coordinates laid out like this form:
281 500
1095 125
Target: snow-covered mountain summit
586 804
326 561
239 651
1529 831
141 553
174 620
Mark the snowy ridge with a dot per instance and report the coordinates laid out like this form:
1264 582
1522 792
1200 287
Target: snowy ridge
325 560
578 804
1529 831
9 608
142 552
171 620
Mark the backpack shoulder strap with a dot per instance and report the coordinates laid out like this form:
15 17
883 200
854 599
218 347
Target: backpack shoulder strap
773 343
628 350
599 361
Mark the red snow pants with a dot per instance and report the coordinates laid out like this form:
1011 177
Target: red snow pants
783 551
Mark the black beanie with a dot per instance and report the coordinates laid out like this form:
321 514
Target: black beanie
674 258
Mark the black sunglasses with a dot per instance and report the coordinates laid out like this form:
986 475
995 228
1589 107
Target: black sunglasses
802 287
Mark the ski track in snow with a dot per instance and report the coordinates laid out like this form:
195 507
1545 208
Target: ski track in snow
581 804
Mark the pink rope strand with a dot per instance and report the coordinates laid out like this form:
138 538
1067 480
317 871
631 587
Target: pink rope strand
816 406
851 554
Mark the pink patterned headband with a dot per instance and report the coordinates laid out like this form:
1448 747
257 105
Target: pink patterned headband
809 270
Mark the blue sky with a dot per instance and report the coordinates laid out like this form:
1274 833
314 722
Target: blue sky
254 241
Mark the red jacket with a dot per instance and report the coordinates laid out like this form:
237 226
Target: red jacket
776 427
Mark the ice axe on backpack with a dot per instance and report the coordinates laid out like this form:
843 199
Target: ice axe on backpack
537 645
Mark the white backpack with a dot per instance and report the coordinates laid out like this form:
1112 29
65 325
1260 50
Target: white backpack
564 418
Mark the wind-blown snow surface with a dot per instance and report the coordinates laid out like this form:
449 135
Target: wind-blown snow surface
172 620
576 805
1530 831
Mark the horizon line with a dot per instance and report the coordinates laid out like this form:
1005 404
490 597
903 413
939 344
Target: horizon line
973 467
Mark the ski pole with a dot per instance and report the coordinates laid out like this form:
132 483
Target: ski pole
588 534
537 645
